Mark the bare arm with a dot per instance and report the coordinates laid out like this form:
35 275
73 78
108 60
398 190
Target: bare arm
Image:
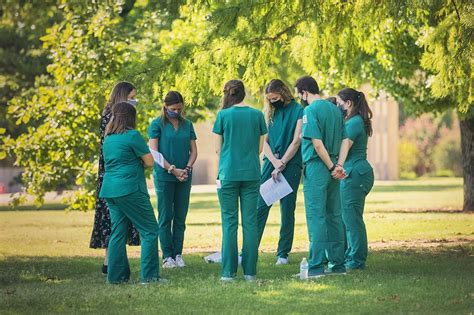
295 144
218 140
322 153
148 160
260 145
345 147
192 153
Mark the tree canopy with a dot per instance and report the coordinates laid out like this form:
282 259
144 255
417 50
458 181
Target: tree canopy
420 52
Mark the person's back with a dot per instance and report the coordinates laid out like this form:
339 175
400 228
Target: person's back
329 122
241 128
123 164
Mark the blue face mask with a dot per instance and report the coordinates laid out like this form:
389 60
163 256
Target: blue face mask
172 114
132 102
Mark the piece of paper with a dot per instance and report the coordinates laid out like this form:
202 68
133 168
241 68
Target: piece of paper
272 191
158 157
218 184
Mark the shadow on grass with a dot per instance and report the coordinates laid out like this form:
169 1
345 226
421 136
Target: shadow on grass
416 188
429 280
48 207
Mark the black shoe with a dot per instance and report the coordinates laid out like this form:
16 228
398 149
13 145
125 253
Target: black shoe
104 269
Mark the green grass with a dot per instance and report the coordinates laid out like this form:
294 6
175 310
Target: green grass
395 282
46 265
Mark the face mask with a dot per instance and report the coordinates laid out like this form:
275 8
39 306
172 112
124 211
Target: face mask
172 114
278 104
304 102
132 102
343 111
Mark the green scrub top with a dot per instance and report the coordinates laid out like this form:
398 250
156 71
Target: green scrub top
281 131
357 157
124 171
173 144
322 120
241 128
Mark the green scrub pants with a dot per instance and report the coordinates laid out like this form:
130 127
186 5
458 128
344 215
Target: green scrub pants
133 209
292 173
323 216
354 189
229 195
173 205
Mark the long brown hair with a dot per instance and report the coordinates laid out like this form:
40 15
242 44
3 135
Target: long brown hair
276 86
123 118
234 93
359 107
119 94
171 98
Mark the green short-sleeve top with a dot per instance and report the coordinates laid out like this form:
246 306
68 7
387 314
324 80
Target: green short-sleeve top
173 144
281 130
241 128
357 157
322 120
124 171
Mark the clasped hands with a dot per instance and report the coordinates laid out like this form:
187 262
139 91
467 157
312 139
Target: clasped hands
180 174
339 172
279 166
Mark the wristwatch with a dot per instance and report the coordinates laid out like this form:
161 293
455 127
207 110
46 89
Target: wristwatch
170 170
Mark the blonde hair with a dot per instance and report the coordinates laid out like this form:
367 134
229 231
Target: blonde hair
276 86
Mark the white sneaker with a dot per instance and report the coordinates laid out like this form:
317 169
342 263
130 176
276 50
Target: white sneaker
227 279
282 261
169 263
250 278
179 261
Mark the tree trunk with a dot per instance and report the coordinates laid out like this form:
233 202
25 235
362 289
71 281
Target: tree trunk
467 145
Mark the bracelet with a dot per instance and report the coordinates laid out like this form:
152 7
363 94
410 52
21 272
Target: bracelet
172 167
189 168
333 167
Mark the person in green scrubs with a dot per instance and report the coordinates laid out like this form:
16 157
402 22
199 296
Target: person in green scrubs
124 189
322 135
240 131
356 173
282 155
173 136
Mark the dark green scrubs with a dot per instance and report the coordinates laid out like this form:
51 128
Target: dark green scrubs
322 120
239 172
124 189
354 189
173 195
281 131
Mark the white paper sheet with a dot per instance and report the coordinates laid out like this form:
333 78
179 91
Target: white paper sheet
158 157
272 191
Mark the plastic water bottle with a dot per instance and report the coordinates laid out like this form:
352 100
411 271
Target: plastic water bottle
304 269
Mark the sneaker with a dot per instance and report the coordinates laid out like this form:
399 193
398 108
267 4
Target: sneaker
227 279
158 281
282 261
179 261
213 258
169 263
335 273
250 278
316 276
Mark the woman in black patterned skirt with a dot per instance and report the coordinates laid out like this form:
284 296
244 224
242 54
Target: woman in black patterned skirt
122 92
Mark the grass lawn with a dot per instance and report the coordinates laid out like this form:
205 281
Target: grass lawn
421 261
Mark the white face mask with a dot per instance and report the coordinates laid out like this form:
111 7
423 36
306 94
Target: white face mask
132 102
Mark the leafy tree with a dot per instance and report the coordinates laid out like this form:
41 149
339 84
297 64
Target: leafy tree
418 51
